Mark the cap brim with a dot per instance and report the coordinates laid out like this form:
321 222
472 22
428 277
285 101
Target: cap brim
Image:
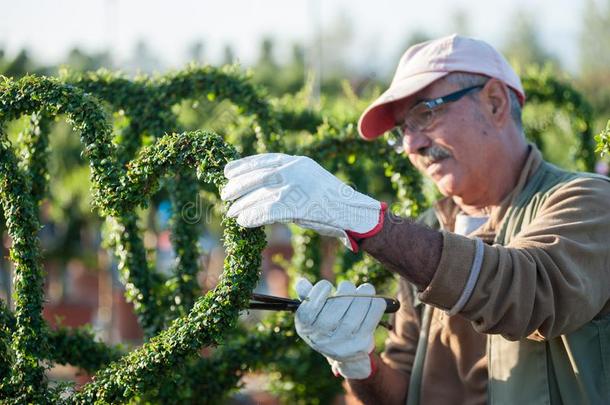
378 117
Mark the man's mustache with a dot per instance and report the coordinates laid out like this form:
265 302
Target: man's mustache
432 154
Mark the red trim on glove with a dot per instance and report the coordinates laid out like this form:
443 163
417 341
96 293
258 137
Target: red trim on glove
355 237
353 243
373 366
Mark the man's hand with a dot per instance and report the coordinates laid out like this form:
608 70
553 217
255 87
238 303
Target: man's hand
274 187
340 328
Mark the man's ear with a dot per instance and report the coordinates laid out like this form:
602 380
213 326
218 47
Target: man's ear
496 101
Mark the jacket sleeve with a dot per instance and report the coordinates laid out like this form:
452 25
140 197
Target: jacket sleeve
552 278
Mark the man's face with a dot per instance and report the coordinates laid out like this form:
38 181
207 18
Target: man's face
458 149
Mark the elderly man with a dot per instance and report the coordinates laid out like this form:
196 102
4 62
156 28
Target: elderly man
504 284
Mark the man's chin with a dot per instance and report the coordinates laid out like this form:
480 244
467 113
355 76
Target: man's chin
447 186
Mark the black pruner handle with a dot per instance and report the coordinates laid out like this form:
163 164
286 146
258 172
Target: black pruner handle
272 303
392 305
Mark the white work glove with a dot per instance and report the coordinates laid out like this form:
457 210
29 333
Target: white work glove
341 329
274 187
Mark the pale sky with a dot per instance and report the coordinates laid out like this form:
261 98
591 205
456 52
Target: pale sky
50 28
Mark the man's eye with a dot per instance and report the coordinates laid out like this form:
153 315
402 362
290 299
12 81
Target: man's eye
425 115
422 117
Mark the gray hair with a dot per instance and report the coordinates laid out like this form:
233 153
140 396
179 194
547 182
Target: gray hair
472 79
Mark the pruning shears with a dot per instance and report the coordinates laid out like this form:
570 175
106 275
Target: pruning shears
273 303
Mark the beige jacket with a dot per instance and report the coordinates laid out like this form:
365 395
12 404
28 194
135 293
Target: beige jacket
549 280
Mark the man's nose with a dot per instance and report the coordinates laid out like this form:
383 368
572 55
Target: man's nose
414 142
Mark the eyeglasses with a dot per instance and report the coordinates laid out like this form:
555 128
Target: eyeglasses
421 115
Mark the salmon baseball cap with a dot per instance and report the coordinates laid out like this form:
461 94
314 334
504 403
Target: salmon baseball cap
424 63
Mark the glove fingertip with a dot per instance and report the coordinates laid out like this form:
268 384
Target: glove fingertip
232 213
366 288
346 286
245 221
230 167
231 190
324 287
303 287
224 194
